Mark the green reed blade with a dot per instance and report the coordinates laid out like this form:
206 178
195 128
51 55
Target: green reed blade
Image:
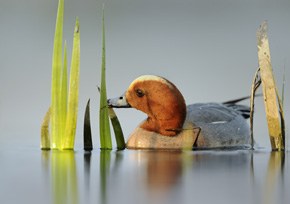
63 98
88 143
105 133
117 130
73 99
56 80
45 139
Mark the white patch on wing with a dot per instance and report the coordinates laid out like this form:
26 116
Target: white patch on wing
218 122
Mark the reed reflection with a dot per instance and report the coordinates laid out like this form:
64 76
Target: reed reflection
274 182
166 176
87 175
106 174
105 159
64 177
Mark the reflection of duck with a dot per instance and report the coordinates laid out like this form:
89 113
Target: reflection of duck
163 168
170 123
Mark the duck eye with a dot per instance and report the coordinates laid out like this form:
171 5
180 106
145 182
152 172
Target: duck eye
139 93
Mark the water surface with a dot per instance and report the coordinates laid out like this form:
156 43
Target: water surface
238 176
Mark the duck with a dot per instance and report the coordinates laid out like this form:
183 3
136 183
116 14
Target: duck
171 124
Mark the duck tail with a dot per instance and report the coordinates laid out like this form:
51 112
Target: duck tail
242 109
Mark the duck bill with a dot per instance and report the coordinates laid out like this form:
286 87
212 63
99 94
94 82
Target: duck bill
119 102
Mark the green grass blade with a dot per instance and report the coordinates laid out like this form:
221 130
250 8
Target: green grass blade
88 143
73 99
105 133
45 139
56 78
117 130
63 98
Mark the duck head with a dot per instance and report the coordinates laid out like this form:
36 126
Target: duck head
159 99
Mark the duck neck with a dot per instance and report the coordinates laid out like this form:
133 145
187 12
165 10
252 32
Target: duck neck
168 123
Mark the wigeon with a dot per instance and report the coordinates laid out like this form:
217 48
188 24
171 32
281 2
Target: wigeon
173 125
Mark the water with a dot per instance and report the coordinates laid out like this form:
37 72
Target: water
30 175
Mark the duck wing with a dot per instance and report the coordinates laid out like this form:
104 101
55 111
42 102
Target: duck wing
222 125
215 112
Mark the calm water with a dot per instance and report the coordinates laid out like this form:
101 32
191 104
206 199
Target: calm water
34 176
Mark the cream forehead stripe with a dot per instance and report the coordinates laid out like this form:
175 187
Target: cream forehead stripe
151 78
